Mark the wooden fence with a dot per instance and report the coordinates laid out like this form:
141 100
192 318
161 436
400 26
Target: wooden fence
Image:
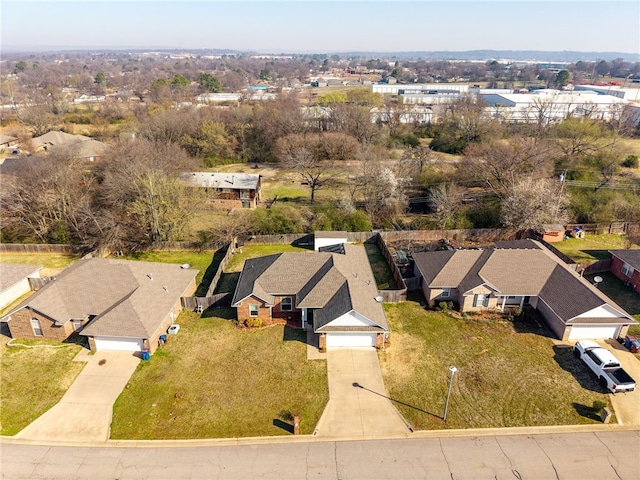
37 283
202 303
596 267
43 248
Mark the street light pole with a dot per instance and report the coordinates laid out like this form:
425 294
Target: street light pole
453 371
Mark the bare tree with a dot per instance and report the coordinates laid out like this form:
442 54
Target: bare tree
444 200
530 203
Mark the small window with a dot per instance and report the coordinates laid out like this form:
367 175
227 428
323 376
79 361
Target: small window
627 270
253 310
286 304
446 292
37 328
77 325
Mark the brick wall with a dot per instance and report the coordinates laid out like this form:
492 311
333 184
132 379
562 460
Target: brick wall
20 326
616 269
242 312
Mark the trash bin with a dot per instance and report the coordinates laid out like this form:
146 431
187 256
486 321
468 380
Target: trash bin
146 355
628 340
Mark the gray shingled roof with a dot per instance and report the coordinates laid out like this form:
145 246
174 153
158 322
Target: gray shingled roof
57 138
532 270
632 257
333 283
128 298
234 181
12 273
330 234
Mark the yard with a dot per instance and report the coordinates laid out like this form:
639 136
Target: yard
52 263
213 381
591 248
381 271
33 380
509 373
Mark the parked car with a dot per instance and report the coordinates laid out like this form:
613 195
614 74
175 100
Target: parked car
605 365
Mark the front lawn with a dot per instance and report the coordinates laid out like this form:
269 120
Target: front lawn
213 381
592 247
509 374
33 380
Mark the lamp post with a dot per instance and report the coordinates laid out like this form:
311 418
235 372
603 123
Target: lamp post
453 371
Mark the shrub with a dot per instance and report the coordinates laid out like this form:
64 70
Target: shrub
253 322
631 162
443 306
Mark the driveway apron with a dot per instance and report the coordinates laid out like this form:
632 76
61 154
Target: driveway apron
358 404
84 413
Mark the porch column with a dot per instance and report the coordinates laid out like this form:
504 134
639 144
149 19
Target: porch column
504 300
521 302
304 318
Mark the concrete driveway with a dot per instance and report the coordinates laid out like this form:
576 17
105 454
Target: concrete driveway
626 405
84 413
358 411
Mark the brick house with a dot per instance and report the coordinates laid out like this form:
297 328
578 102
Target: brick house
227 190
334 293
117 304
625 264
517 273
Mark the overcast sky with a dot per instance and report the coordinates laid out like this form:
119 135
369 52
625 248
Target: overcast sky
302 26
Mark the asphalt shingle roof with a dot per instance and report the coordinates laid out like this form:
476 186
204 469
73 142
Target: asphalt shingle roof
632 257
12 273
127 298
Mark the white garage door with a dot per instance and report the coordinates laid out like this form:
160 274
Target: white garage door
120 344
579 332
351 339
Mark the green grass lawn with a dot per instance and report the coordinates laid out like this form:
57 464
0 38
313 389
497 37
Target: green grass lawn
33 381
52 263
508 375
213 381
381 271
592 247
202 261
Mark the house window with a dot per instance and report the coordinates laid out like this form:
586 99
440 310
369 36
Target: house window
253 310
37 328
446 292
286 304
480 300
627 270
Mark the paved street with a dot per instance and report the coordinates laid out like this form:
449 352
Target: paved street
602 455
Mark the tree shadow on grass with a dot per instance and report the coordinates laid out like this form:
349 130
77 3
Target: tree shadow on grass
563 355
357 385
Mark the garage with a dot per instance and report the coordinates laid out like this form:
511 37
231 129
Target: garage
579 332
351 339
119 343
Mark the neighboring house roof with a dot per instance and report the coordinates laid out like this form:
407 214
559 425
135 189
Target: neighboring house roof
56 138
85 148
7 139
234 181
332 283
528 271
12 273
17 165
127 298
632 257
553 227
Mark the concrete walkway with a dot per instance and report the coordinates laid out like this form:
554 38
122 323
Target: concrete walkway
84 413
363 410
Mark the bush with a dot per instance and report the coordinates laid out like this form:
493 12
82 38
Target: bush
253 322
443 306
631 162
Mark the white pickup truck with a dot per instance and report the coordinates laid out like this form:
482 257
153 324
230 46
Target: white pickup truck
605 365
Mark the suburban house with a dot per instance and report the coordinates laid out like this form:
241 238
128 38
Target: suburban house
334 293
327 240
14 281
227 190
118 304
517 273
7 142
552 232
77 146
625 264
